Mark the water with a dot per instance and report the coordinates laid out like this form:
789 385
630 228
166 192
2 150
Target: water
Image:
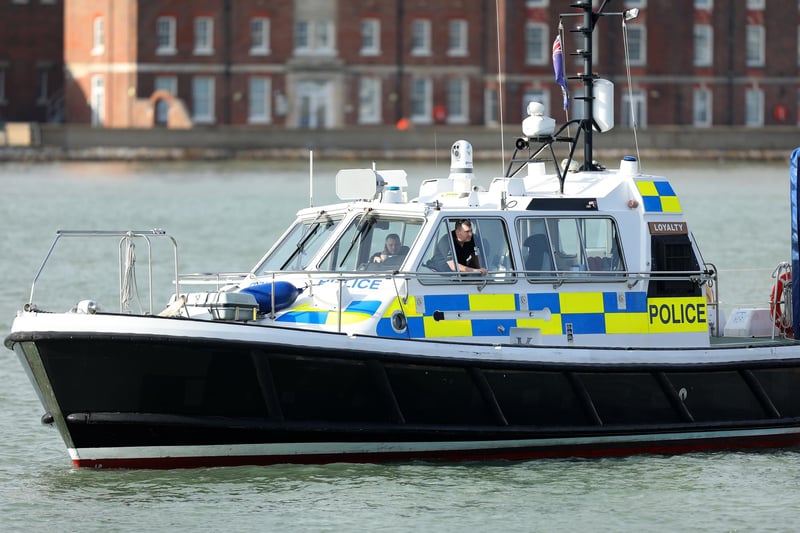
224 216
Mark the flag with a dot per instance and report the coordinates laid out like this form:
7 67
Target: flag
558 67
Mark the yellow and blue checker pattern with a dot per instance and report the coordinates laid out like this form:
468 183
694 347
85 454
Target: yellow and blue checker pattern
658 196
355 312
588 312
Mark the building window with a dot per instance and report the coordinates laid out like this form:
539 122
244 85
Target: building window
635 3
259 96
755 45
98 36
41 85
421 37
313 37
798 99
370 37
457 38
170 85
97 100
165 35
203 100
634 109
701 108
166 83
536 43
537 3
491 107
203 35
259 36
704 4
421 100
457 101
703 45
756 4
637 43
369 101
754 107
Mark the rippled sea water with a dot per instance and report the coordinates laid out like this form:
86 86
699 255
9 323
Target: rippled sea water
224 216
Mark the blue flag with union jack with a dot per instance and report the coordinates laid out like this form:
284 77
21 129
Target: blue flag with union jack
558 66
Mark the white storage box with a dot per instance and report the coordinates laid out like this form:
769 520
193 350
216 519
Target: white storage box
749 323
225 305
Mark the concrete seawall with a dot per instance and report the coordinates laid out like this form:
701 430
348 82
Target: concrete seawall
67 142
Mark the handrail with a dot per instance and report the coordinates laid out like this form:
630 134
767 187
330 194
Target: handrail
546 276
145 234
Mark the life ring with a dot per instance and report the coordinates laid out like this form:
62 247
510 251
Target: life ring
775 301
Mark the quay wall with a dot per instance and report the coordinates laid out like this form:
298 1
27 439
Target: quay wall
48 142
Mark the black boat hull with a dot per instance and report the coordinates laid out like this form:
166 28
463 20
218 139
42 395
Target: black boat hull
156 401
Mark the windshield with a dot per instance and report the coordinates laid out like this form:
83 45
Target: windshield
373 242
300 244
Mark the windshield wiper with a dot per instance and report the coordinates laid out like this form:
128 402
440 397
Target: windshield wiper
310 232
363 226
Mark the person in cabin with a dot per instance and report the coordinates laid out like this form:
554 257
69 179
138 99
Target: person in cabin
467 259
390 248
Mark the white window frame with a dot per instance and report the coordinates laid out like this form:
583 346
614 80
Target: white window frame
166 83
457 35
203 111
703 45
260 36
637 35
754 107
702 107
421 100
370 37
537 55
491 106
319 37
324 36
203 36
755 39
639 97
457 101
165 29
259 100
369 100
420 37
97 100
98 36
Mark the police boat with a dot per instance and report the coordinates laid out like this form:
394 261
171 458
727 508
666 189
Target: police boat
563 309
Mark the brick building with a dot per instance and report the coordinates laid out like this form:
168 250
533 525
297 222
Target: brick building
31 60
347 63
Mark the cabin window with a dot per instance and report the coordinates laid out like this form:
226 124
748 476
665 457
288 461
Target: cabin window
373 243
673 254
489 249
299 245
568 244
